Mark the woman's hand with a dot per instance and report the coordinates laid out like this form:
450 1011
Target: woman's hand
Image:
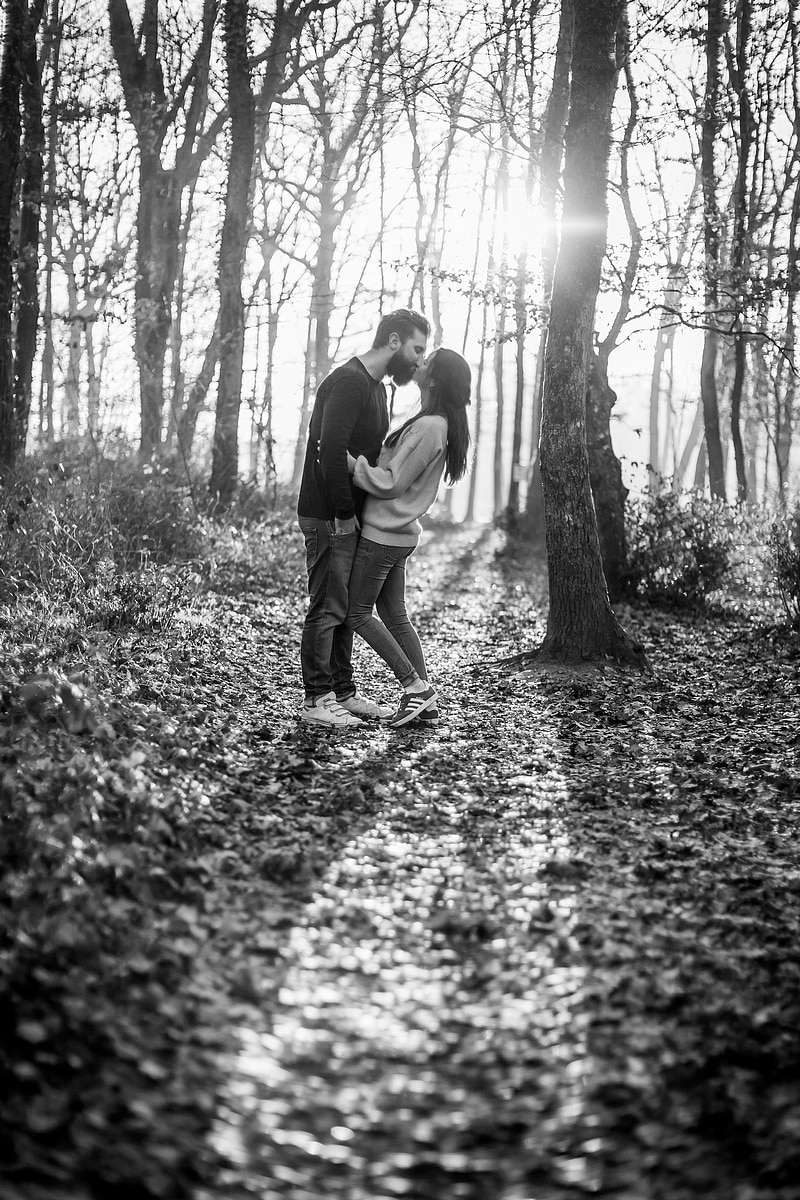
351 464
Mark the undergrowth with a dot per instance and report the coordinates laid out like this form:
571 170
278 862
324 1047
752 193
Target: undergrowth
95 544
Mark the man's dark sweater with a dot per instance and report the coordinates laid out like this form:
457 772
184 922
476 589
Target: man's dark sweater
350 414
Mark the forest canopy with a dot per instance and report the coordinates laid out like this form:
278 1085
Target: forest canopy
207 205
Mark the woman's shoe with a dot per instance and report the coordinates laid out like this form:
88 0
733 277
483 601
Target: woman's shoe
429 718
412 704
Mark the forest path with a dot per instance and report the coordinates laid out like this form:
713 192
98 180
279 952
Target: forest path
544 951
527 946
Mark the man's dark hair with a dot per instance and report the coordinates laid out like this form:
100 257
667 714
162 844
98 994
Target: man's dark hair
403 321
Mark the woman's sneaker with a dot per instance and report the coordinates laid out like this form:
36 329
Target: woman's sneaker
326 710
428 718
412 705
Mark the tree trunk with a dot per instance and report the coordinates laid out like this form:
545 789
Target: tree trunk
738 65
552 153
605 475
478 426
10 133
29 220
501 200
521 335
197 395
158 219
711 239
47 387
225 454
665 341
695 435
581 623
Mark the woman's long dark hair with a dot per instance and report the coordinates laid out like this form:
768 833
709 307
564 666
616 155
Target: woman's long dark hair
449 381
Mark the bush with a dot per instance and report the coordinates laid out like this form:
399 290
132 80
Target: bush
680 548
84 542
784 549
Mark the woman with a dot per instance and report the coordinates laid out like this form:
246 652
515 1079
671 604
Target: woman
399 490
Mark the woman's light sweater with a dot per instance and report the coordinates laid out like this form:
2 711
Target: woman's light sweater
403 486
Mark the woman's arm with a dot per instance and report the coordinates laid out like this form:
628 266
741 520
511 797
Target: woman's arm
408 463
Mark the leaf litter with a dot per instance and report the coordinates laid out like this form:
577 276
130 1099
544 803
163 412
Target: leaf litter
548 949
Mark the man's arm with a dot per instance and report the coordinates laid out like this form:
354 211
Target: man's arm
341 411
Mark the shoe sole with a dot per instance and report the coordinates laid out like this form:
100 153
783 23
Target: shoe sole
429 703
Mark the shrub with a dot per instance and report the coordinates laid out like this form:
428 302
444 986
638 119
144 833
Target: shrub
679 547
784 549
83 543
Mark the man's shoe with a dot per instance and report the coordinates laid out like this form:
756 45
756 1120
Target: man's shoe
412 704
326 710
360 707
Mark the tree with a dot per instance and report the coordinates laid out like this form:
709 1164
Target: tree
709 132
225 460
581 624
10 138
156 118
22 145
551 156
605 470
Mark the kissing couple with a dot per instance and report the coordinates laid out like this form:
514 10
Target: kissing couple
359 506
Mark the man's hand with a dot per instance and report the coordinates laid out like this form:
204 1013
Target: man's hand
351 525
351 464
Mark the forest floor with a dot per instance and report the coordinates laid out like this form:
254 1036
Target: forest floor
547 950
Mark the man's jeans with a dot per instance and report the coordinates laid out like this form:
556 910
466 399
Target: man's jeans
379 579
326 646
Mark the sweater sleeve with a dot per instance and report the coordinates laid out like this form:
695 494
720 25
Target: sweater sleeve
341 412
412 457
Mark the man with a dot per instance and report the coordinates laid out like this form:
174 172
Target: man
349 415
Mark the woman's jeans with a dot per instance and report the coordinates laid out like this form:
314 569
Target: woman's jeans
378 579
326 646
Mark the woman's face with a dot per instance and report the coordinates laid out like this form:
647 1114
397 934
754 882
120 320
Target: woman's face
422 377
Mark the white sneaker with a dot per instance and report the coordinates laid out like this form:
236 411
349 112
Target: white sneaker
326 710
366 708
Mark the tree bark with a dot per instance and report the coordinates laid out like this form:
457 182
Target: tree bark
225 454
551 156
605 475
29 221
197 395
581 623
47 387
741 221
709 132
10 138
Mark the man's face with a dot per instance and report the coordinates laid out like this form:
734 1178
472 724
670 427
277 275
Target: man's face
408 356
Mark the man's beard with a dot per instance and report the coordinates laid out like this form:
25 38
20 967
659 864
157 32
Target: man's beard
400 370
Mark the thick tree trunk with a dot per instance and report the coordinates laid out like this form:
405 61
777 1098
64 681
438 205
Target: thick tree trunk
10 133
549 175
711 238
581 623
225 455
605 475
